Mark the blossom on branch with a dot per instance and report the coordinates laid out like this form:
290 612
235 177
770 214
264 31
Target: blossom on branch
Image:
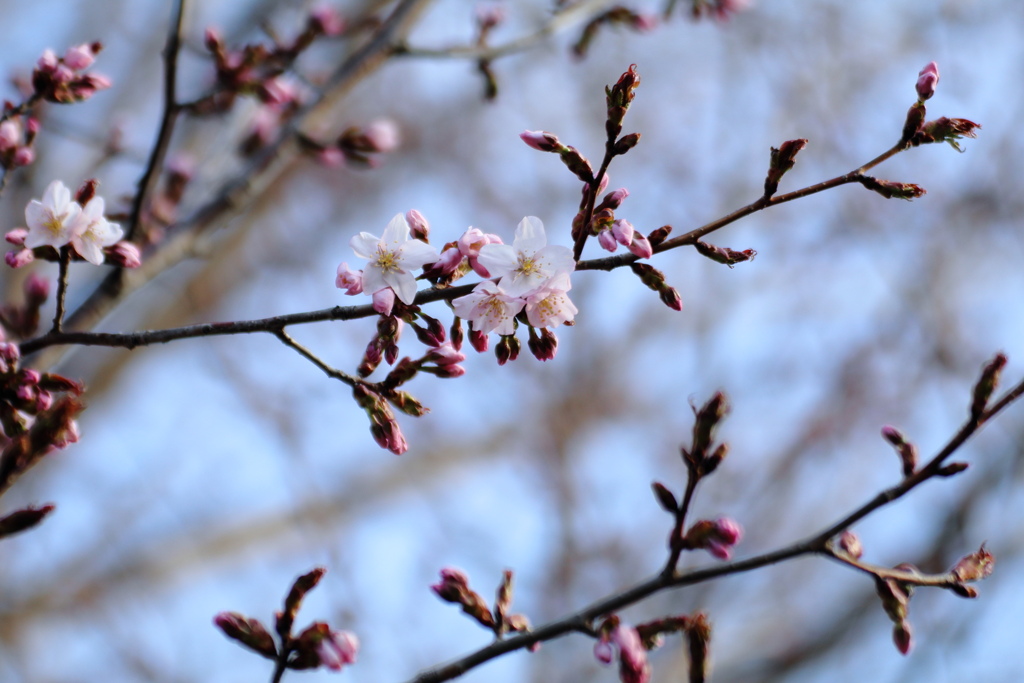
95 233
392 258
54 220
489 308
529 262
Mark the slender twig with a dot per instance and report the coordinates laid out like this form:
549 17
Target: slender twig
581 620
288 341
163 138
680 522
560 20
62 288
131 340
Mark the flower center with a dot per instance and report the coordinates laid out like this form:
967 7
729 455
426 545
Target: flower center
527 265
387 260
53 223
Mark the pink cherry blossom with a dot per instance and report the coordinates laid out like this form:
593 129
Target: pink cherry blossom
392 258
95 232
549 306
489 309
529 262
927 80
349 280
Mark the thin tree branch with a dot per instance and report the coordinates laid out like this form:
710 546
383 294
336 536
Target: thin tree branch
582 620
163 138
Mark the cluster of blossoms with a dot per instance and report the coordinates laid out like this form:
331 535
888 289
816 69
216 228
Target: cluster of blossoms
527 279
57 221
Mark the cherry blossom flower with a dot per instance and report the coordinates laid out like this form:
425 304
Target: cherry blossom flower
54 220
529 262
349 280
489 309
392 258
549 306
95 232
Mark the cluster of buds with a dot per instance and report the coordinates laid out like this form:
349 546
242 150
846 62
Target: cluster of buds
612 231
37 414
655 280
616 16
383 424
783 159
454 588
17 133
317 645
729 257
357 144
895 588
57 221
917 131
61 79
256 70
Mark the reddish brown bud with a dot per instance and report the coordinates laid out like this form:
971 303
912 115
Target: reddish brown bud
890 189
952 469
902 637
915 118
782 160
22 520
849 542
665 497
293 601
249 632
577 163
986 385
659 235
626 143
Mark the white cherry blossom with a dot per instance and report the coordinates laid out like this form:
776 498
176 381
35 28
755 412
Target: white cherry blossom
392 259
54 220
529 262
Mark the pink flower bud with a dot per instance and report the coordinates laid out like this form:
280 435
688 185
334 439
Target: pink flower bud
383 135
124 254
48 61
79 57
542 141
489 15
607 240
623 231
327 21
603 184
17 236
212 39
645 22
10 135
24 156
927 79
384 301
349 280
604 652
19 258
449 262
331 157
37 289
418 225
338 649
640 245
613 199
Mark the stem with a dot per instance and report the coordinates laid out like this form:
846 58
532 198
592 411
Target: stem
62 288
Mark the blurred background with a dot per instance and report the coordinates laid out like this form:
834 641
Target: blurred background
211 472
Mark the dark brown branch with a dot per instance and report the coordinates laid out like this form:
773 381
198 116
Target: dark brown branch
581 621
163 138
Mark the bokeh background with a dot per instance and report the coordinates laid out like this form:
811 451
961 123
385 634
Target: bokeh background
211 472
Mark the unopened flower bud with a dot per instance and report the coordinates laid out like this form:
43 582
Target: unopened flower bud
418 225
577 163
986 385
124 254
19 258
79 57
927 79
626 143
850 544
248 632
542 140
607 240
902 637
